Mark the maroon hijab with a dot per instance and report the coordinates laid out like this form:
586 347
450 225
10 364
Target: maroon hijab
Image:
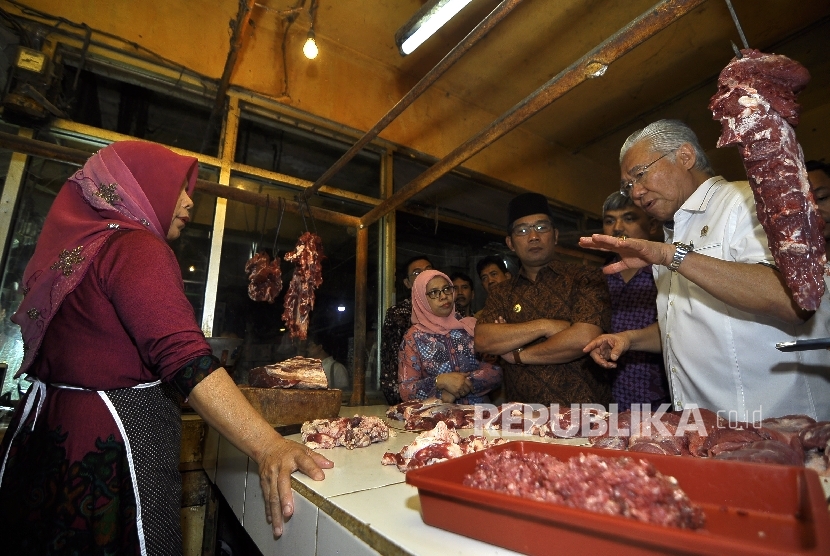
130 185
424 319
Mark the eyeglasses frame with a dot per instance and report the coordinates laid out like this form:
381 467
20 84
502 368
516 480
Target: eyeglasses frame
534 226
440 291
626 186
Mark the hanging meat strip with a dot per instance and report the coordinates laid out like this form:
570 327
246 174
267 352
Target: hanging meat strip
308 275
756 105
265 277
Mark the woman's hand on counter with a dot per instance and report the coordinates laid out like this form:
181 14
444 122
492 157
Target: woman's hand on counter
220 403
276 464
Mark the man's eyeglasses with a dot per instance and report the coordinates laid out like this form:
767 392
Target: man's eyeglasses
639 173
540 227
436 293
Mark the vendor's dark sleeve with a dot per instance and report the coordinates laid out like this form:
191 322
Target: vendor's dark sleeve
193 373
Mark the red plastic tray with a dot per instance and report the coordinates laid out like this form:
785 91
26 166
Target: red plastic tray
750 508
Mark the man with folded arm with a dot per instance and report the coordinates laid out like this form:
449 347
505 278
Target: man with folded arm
539 320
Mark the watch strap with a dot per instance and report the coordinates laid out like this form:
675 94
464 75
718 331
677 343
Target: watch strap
516 357
680 252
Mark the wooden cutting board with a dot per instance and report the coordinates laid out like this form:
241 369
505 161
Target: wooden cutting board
287 406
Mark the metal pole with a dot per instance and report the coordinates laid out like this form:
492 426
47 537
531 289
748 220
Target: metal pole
251 198
49 151
10 193
593 64
360 280
242 19
481 30
42 149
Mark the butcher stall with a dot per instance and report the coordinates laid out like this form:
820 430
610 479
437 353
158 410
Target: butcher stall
364 507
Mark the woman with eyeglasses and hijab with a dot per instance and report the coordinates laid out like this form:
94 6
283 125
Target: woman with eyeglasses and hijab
111 345
437 358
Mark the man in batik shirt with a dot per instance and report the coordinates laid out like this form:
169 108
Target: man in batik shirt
539 321
641 377
397 322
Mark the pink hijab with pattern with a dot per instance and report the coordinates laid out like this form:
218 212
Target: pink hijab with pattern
129 185
424 319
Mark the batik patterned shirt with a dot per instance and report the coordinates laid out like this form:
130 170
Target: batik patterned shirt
397 322
424 356
562 291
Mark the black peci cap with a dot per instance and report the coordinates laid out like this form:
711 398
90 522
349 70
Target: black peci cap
526 204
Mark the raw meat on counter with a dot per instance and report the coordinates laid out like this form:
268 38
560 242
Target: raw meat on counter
520 418
297 372
404 410
264 277
307 257
352 432
616 486
425 414
756 105
510 418
789 440
436 445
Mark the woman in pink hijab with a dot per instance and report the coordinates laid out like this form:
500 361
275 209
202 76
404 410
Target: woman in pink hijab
111 344
437 358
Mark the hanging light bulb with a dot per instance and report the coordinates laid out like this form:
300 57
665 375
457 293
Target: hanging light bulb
310 47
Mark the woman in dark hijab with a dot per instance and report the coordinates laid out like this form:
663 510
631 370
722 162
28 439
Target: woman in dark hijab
111 344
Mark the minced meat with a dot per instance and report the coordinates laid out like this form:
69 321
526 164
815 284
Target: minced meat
609 485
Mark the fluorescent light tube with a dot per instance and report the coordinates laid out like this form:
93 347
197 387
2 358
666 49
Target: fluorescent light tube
434 19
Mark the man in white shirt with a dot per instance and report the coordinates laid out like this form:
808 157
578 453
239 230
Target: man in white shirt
722 306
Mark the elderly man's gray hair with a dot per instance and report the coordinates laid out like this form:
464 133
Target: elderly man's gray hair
666 136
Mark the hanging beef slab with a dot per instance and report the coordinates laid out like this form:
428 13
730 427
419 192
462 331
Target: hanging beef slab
756 105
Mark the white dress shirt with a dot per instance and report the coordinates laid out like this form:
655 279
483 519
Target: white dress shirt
719 357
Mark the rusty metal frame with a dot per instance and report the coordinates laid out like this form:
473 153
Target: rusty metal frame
592 64
493 18
42 149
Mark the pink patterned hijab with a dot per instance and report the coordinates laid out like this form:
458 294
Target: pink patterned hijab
130 185
422 316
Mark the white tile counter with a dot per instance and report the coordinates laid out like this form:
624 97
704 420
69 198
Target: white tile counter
361 508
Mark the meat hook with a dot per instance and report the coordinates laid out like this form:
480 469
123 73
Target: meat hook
737 24
302 212
264 223
279 225
304 201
